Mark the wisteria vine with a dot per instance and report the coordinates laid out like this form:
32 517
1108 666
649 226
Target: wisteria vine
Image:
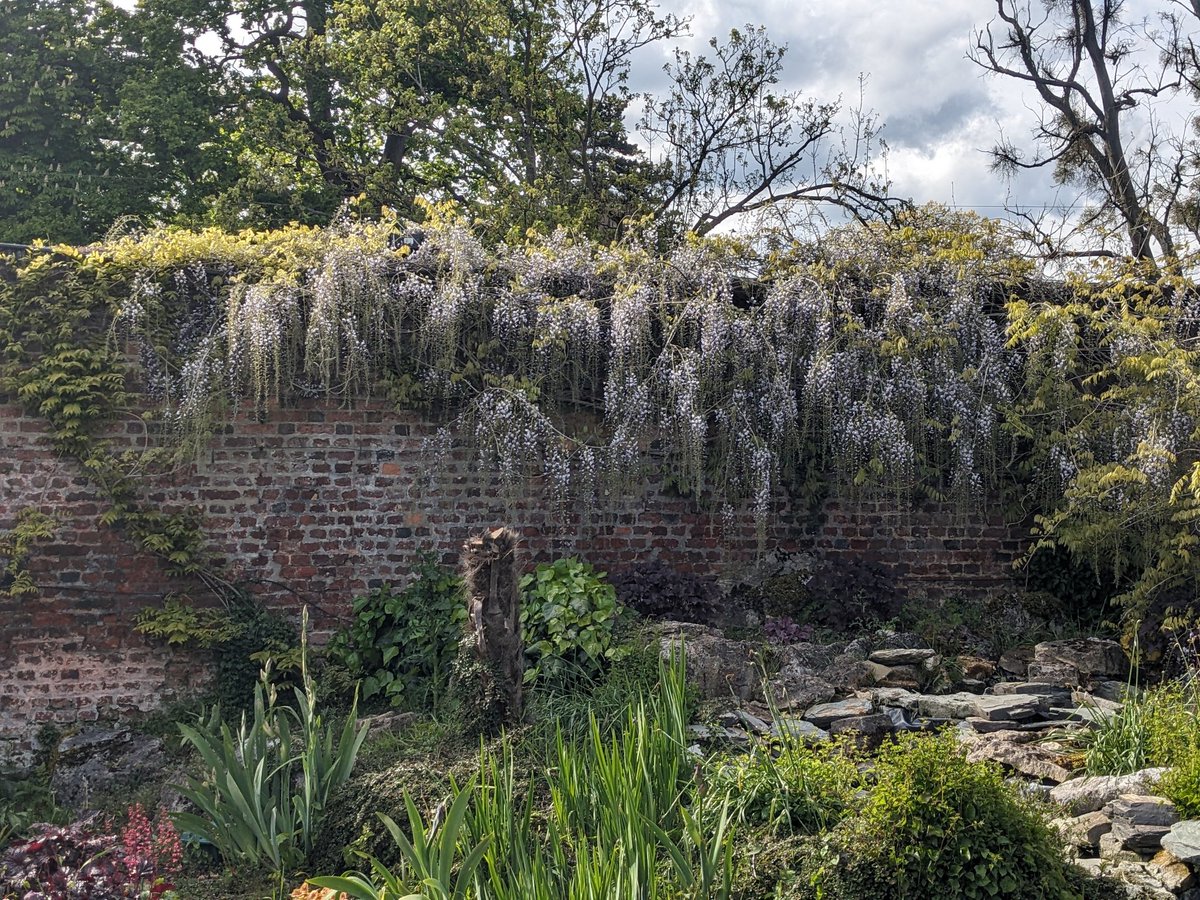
591 366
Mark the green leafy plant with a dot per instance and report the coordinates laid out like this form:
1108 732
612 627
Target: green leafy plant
789 786
16 546
935 825
433 868
617 813
402 644
569 616
1175 742
179 622
1119 742
25 799
267 781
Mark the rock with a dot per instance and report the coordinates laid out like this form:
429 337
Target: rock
898 698
1172 872
859 649
1183 841
1089 794
799 730
1094 867
900 640
867 732
719 667
975 668
1139 838
847 672
794 688
1091 701
1117 691
103 761
739 718
878 671
389 722
947 706
1013 706
1138 877
806 657
825 714
907 677
735 737
1016 661
1112 848
1142 809
1053 694
1075 662
1014 750
1084 831
987 726
1079 715
901 656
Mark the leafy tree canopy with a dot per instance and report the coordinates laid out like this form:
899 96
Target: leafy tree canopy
257 113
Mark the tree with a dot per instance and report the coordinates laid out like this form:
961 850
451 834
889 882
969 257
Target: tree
733 146
513 109
1096 76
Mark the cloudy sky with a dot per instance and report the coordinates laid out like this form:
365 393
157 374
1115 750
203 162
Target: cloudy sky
941 112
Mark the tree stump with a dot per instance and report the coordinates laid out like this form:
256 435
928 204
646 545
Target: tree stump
492 661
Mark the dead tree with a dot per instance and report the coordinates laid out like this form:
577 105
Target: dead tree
491 664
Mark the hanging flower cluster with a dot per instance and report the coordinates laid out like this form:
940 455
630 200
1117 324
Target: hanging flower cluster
595 366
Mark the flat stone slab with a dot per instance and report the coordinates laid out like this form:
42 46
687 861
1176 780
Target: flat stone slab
947 706
902 656
1142 809
1139 838
1037 688
899 698
987 726
798 729
1014 706
1093 792
1183 841
1084 831
825 714
1017 751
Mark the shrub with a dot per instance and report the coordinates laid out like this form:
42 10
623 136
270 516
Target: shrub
657 591
78 860
936 825
569 615
840 594
402 644
790 788
1174 741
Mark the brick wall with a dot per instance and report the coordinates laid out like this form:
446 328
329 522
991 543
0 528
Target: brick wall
319 503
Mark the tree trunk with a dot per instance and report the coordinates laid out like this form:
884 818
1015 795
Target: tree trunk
492 645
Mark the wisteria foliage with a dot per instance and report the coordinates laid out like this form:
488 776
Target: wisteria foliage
595 366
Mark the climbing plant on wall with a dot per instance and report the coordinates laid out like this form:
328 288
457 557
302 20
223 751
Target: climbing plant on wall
922 360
